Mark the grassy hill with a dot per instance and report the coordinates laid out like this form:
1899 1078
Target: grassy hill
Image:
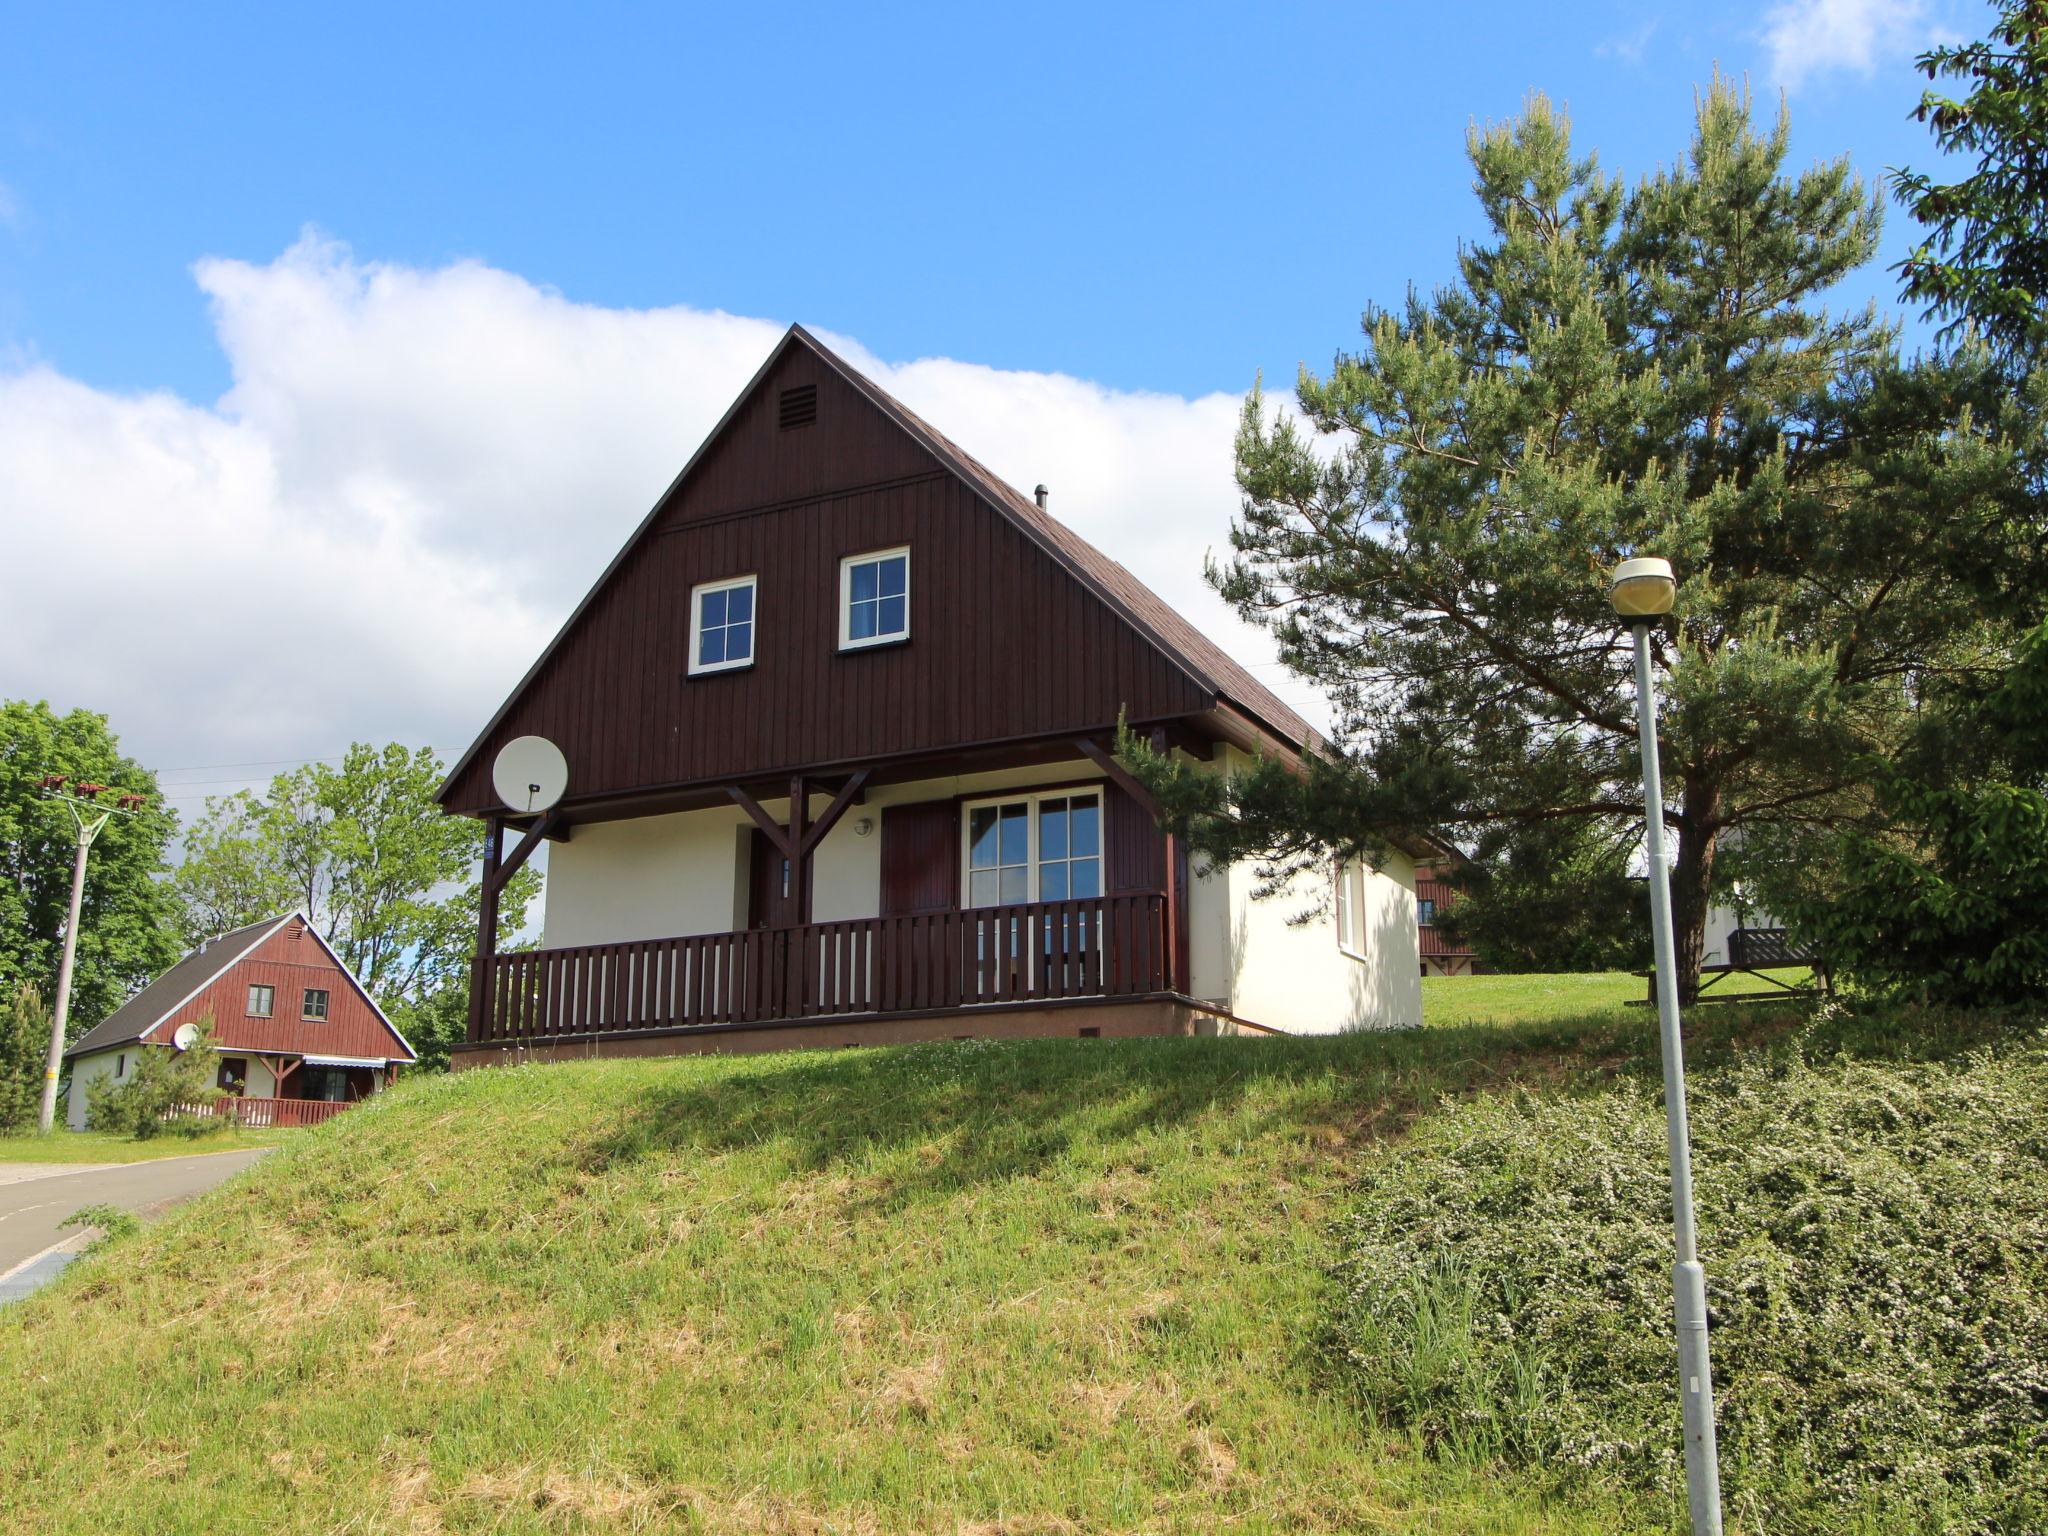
1023 1288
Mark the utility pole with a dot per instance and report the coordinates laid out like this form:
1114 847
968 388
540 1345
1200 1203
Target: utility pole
1644 591
90 819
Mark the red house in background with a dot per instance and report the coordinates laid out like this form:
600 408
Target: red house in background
1441 954
298 1037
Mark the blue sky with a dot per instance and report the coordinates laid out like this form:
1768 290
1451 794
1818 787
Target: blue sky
341 347
1161 198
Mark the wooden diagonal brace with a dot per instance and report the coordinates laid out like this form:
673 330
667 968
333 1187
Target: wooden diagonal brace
772 829
549 824
848 793
1119 775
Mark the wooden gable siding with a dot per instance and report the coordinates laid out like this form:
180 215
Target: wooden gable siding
1004 643
753 463
290 960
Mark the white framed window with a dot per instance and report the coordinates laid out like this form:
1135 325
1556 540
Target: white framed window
314 1005
722 625
261 1001
1032 847
874 598
1349 909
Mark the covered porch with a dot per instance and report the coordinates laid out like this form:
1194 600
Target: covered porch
990 891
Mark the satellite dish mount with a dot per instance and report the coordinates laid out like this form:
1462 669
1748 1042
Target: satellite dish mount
530 774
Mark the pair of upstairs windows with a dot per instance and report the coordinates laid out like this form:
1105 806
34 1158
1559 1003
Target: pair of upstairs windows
263 1002
874 609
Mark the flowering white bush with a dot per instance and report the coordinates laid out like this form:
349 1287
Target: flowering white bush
1875 1236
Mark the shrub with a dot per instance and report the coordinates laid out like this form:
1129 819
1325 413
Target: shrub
166 1083
1876 1245
109 1223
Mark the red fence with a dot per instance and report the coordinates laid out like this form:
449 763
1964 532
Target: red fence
258 1114
1105 946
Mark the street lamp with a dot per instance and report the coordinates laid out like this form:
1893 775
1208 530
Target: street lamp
1643 592
90 817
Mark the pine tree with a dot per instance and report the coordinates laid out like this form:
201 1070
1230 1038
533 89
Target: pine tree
1617 371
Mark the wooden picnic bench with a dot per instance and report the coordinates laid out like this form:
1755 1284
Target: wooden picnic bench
1752 952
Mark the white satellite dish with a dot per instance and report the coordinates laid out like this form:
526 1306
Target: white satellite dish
183 1036
530 774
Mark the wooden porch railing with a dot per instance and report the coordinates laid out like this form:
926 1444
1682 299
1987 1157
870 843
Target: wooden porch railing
1105 946
257 1114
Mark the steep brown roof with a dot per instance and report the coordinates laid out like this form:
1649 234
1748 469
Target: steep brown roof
1179 643
149 1007
1151 613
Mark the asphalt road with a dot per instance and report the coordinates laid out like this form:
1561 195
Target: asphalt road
31 1209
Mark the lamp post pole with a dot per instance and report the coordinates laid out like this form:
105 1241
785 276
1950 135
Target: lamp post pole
1688 1278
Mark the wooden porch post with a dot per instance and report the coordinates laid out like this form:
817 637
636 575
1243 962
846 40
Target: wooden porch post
486 925
500 867
800 849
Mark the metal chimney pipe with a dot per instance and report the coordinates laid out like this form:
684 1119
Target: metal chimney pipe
1041 493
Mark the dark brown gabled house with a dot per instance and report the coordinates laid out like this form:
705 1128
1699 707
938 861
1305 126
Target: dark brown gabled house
838 722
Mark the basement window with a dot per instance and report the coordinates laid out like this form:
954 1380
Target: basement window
722 625
314 1008
874 598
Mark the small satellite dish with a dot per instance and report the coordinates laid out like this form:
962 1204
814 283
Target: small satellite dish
530 774
183 1036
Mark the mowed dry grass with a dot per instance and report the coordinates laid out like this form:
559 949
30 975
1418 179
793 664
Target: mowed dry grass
1024 1288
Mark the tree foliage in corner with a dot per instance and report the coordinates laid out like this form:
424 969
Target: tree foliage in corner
24 1048
1621 370
127 933
1984 263
386 878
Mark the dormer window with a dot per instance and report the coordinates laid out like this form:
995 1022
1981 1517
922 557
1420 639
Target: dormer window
722 625
874 598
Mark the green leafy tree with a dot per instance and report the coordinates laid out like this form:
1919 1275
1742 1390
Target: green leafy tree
388 879
1552 896
1940 893
1620 370
1984 263
24 1048
168 1090
127 928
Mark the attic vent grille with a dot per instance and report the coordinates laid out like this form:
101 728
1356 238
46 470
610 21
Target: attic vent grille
799 406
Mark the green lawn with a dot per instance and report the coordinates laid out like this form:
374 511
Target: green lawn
1031 1287
62 1146
1512 999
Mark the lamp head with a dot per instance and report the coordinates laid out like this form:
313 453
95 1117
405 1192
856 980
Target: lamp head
1643 588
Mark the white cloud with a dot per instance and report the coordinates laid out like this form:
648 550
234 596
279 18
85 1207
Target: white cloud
418 472
1812 37
1628 47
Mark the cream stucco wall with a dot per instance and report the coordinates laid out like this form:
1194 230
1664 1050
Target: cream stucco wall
84 1072
1293 975
654 877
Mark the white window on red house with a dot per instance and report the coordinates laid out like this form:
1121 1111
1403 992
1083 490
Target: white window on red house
315 1005
261 1001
